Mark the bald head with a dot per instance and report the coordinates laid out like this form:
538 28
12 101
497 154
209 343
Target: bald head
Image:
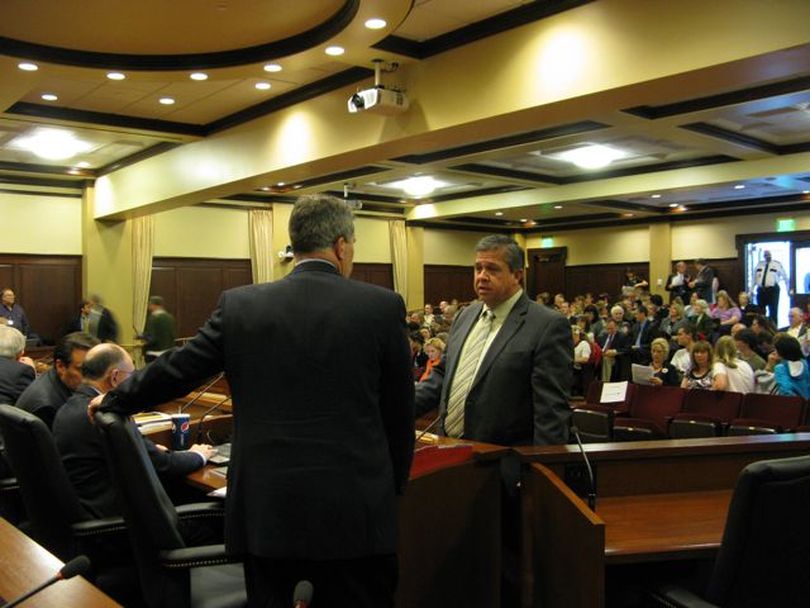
106 366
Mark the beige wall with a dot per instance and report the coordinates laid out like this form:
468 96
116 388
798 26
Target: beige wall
202 232
613 245
40 224
373 241
449 247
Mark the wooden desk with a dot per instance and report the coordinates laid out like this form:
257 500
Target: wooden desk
24 565
657 501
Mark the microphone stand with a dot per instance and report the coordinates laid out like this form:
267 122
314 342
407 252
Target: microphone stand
428 427
592 483
216 379
207 413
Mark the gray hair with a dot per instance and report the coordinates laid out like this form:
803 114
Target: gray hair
317 221
512 251
12 342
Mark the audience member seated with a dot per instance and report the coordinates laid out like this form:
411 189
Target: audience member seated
790 370
703 322
582 356
663 373
642 336
763 330
730 373
682 358
428 318
674 321
726 312
748 309
615 352
798 329
11 313
632 282
51 390
434 349
17 372
81 322
746 341
79 442
700 372
418 355
689 310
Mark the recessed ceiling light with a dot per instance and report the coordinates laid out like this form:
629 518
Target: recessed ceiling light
805 191
739 187
272 67
52 144
673 205
628 214
49 97
420 185
198 76
558 206
499 213
334 51
681 208
265 188
262 86
376 23
116 76
279 184
74 171
655 196
590 156
83 165
166 101
27 66
523 220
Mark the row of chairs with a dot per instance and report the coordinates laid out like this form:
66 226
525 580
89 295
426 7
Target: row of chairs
660 412
146 545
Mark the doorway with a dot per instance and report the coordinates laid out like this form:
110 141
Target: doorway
547 270
781 251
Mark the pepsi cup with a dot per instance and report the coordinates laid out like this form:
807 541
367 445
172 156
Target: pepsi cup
180 431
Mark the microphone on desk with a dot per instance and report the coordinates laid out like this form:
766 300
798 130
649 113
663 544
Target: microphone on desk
207 413
216 379
591 482
302 596
428 427
78 565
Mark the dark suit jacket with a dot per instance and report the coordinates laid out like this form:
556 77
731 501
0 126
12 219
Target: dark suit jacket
703 283
520 393
107 327
320 371
45 396
621 343
14 378
80 445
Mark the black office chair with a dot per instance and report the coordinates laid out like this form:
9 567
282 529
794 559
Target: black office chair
56 519
172 574
765 551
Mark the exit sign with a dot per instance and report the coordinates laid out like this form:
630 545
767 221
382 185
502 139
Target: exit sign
785 224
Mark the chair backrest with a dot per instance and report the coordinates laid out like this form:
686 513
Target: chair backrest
766 543
780 410
48 495
656 403
723 405
594 396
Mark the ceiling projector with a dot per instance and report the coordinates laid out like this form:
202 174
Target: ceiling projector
378 100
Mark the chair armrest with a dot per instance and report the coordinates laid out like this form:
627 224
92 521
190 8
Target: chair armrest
196 557
672 596
97 527
201 509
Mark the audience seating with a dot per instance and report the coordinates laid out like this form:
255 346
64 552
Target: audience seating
172 574
595 419
650 411
705 413
766 414
765 549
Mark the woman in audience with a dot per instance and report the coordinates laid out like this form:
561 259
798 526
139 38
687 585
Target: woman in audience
726 312
582 354
790 370
729 372
672 323
434 349
663 373
689 311
700 375
703 322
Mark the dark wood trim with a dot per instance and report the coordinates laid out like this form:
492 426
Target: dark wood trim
480 192
508 173
740 139
297 43
24 180
574 128
340 175
41 193
459 227
60 170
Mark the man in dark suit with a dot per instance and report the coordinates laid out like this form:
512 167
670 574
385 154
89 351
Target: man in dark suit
16 371
703 283
79 442
615 345
51 390
642 337
102 321
320 371
508 360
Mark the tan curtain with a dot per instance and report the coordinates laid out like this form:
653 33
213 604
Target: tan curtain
143 248
261 244
399 256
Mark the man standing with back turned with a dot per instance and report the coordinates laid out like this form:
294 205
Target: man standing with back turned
323 437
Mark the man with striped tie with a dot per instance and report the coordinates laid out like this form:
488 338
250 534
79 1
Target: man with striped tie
508 362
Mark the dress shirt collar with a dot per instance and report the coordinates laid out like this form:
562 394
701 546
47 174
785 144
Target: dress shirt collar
502 310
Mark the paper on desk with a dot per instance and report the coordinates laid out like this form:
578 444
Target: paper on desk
613 392
219 492
642 373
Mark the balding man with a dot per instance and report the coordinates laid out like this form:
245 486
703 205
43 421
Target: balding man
105 367
16 371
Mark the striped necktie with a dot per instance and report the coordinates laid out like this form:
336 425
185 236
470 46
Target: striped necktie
465 374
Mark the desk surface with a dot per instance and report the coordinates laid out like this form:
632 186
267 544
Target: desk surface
24 565
657 527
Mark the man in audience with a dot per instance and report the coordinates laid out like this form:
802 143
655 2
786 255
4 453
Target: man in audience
746 342
11 313
160 332
323 414
615 346
678 283
82 320
105 367
429 317
508 360
703 281
797 328
682 358
102 323
641 337
51 390
17 372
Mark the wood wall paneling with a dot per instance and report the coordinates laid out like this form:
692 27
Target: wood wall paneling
376 274
601 278
445 282
49 288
